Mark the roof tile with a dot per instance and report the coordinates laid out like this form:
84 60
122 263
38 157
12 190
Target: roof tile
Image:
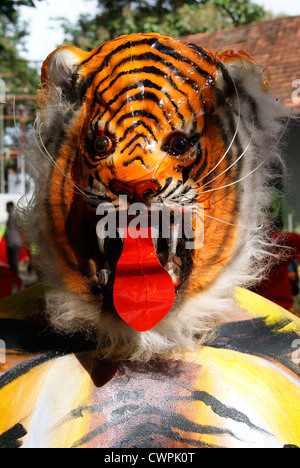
273 44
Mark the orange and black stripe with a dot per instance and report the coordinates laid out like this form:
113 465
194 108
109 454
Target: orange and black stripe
139 91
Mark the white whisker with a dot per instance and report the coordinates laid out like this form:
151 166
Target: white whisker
228 149
200 213
47 154
257 167
24 149
233 138
194 190
236 161
41 151
233 224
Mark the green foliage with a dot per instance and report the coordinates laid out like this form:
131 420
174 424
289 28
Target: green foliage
241 11
9 8
172 17
18 76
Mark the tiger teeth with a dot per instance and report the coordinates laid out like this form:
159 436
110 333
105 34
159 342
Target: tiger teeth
155 236
101 243
101 234
173 241
173 268
104 275
174 276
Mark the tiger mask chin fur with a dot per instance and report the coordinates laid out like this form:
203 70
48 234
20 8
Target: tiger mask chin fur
151 120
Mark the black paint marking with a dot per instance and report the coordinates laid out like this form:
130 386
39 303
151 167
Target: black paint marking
166 50
134 139
205 55
256 338
138 145
167 184
106 60
150 70
138 158
167 427
139 113
141 85
203 166
149 56
179 183
11 438
186 170
24 368
140 97
136 125
222 410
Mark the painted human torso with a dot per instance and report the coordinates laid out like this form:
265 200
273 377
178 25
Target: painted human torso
240 391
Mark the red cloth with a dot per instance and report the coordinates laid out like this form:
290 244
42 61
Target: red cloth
9 282
23 258
277 287
3 252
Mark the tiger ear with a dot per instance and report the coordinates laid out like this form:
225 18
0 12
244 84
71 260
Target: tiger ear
232 55
240 74
61 68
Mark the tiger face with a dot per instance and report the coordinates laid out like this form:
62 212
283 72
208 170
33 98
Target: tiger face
140 126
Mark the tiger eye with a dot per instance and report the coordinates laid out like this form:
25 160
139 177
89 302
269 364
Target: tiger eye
179 144
102 144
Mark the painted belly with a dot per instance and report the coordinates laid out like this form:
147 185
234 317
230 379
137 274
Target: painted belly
241 391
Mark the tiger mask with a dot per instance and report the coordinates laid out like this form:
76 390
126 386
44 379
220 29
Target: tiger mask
147 124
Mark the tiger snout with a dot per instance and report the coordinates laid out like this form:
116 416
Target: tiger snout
135 191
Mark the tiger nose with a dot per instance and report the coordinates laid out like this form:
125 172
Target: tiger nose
136 191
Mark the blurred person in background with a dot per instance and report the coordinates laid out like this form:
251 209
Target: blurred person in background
282 282
13 239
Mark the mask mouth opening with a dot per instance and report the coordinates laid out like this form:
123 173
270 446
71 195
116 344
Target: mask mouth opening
168 232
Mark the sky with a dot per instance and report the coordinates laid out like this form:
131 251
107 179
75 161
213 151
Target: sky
46 34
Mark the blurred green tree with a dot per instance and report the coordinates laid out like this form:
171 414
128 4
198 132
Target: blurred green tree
19 77
9 8
172 17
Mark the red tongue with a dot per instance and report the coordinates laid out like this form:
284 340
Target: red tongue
143 290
